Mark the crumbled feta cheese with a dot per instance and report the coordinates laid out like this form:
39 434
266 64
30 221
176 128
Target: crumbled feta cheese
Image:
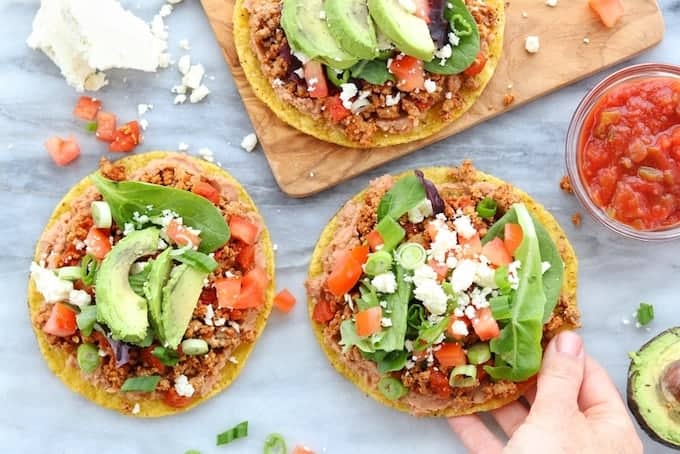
454 39
209 315
444 53
385 322
532 44
179 89
165 10
163 61
233 360
180 99
348 92
194 76
277 83
275 247
183 387
300 73
451 262
158 27
430 86
464 226
551 3
625 321
432 295
219 321
184 64
302 57
445 241
144 123
322 15
392 100
136 409
459 328
470 312
79 298
207 154
143 108
408 5
408 345
464 275
235 326
448 95
545 266
249 142
199 94
418 213
385 282
361 102
49 285
586 40
182 146
128 228
513 276
525 14
422 274
485 276
102 353
184 44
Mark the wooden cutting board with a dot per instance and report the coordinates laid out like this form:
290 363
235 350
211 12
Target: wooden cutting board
574 45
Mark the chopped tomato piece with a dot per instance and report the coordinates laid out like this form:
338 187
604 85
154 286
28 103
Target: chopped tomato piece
258 277
228 291
87 108
62 321
336 110
423 10
181 235
485 325
347 271
284 301
174 400
477 66
317 86
106 126
323 312
243 229
441 270
253 286
368 321
126 138
62 151
451 355
495 251
246 257
439 383
471 246
409 73
302 450
513 237
374 240
610 11
151 360
206 190
98 243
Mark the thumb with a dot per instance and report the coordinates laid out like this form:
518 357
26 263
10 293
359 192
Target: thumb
560 378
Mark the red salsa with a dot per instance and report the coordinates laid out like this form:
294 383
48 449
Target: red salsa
629 153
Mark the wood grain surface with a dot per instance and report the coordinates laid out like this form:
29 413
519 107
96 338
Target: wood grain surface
303 165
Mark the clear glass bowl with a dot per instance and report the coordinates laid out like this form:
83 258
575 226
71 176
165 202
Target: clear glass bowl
628 74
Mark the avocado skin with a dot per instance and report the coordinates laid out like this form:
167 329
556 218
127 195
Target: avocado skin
350 23
153 289
633 375
118 306
409 33
180 296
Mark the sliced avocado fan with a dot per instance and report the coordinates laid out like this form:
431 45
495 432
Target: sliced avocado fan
180 296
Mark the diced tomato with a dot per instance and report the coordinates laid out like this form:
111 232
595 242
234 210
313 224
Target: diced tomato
439 383
62 321
471 246
98 243
423 10
246 257
368 321
302 450
441 270
323 312
87 108
451 333
253 286
174 400
451 355
126 138
610 11
62 151
485 325
477 66
374 240
228 291
151 360
336 110
284 301
347 271
243 229
409 73
181 235
317 86
258 277
206 190
495 251
106 126
513 237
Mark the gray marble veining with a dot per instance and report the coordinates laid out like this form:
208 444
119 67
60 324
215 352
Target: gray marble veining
287 386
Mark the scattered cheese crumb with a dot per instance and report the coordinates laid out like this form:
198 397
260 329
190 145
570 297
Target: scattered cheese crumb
135 409
207 154
183 64
184 44
183 387
551 3
249 142
430 86
182 146
392 100
532 44
194 76
586 40
180 99
199 94
144 123
165 10
524 14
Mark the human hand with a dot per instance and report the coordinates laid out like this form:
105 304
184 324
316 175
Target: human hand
575 408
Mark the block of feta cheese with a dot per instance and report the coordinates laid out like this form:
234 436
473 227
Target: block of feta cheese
84 38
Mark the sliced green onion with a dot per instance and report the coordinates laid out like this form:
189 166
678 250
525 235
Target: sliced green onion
193 347
392 388
101 214
197 260
70 273
89 268
275 444
236 432
463 376
486 208
88 358
391 233
645 314
378 262
91 126
167 356
500 307
411 255
479 353
501 278
86 319
141 384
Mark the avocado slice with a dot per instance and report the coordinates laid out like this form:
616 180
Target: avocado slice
409 32
180 296
308 33
352 27
118 306
153 289
654 387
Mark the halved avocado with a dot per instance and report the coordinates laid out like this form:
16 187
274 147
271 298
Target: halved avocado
352 27
654 387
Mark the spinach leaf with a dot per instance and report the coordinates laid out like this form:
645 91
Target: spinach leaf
404 195
372 71
127 197
202 262
397 308
388 361
464 53
519 344
552 279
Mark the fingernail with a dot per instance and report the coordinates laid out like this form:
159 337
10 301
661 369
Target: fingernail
570 343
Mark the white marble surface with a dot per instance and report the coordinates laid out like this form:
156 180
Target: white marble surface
287 386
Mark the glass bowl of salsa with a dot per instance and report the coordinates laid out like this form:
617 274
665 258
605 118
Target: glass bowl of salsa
623 152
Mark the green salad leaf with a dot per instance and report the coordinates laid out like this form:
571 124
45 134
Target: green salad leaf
202 262
372 71
465 52
404 195
397 308
429 333
388 361
128 197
